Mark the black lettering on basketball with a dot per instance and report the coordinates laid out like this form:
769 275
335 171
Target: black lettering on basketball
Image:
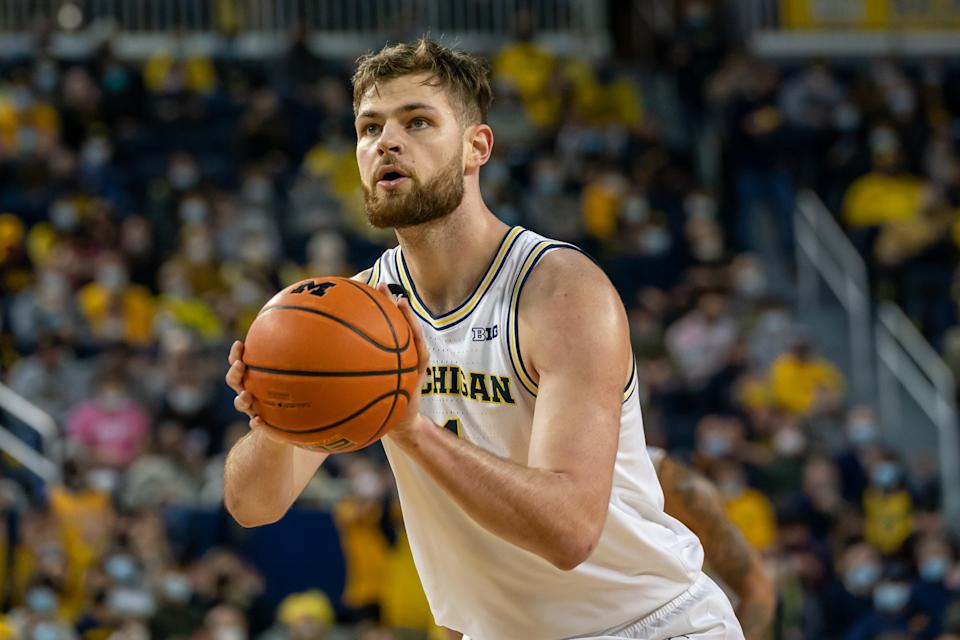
313 288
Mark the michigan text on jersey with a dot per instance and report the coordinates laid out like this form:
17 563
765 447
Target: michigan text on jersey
451 380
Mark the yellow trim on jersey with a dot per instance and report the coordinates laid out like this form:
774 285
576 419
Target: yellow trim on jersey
631 383
445 321
539 250
532 258
374 274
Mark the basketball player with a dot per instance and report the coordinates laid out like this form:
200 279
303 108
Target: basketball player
696 502
531 504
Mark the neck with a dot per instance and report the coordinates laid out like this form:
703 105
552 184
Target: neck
448 257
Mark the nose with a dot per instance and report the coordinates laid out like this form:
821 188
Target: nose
389 141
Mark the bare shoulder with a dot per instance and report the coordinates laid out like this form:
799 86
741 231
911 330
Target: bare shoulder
363 276
567 285
569 309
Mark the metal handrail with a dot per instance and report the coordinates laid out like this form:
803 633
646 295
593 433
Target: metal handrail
37 419
30 458
823 249
922 372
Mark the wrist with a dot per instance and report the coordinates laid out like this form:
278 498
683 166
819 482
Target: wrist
410 436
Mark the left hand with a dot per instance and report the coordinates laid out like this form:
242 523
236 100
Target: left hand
412 421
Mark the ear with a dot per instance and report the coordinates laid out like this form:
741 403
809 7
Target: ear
478 144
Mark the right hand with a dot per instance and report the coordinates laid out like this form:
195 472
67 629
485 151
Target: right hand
244 400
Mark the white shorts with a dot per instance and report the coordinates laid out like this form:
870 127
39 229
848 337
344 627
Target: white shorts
702 612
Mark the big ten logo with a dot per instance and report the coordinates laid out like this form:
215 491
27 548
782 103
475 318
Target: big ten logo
481 334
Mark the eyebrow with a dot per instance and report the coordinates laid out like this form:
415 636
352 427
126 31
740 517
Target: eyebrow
410 106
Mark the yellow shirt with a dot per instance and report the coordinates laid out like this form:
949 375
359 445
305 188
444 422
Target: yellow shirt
403 603
136 310
364 549
795 382
876 198
752 513
889 519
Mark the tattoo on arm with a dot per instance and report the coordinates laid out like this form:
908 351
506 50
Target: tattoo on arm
696 502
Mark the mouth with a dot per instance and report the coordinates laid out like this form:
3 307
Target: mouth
390 177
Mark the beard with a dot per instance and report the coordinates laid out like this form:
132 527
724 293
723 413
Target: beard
437 198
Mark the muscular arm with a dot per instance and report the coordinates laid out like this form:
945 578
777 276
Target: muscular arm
574 336
263 476
695 501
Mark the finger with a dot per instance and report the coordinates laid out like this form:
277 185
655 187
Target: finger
234 376
236 352
244 403
423 354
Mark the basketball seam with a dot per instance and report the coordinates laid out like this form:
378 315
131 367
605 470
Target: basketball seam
336 424
327 374
346 324
396 342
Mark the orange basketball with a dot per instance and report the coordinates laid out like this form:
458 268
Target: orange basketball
331 364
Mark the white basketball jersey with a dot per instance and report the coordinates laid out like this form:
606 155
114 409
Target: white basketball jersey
478 387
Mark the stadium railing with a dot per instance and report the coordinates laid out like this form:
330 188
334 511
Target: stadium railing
45 463
824 253
896 369
254 27
906 360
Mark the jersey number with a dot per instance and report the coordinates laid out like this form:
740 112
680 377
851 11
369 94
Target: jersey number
453 426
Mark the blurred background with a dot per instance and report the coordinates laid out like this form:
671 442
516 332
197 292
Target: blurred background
772 185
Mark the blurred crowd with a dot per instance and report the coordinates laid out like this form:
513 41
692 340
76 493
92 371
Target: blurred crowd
148 209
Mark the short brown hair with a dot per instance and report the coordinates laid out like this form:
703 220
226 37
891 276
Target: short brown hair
465 76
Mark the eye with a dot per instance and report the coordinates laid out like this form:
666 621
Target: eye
418 123
371 129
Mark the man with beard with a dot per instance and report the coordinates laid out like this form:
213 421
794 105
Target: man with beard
534 512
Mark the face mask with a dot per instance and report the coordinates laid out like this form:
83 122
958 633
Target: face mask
41 600
367 485
890 597
45 631
176 588
63 215
715 446
934 569
183 176
45 76
731 488
548 183
862 432
708 249
885 475
193 211
112 276
104 480
789 442
700 206
847 118
751 283
229 633
121 568
258 191
656 241
95 153
636 209
111 399
131 602
199 250
861 577
186 399
27 139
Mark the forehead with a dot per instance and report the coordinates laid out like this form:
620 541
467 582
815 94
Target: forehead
387 95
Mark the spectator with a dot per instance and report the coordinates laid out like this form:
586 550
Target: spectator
112 427
804 384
